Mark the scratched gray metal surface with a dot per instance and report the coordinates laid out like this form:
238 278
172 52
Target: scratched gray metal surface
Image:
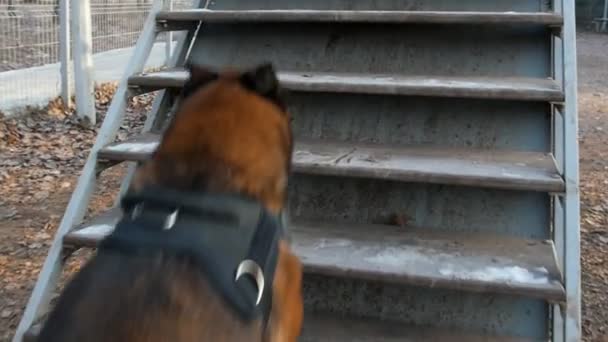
395 120
464 311
397 49
523 126
403 5
437 207
386 17
325 327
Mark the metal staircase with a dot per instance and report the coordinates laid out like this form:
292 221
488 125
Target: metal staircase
435 186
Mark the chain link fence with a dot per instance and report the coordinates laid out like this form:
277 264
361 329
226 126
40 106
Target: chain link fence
29 45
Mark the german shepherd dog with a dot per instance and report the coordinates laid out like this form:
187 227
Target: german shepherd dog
230 142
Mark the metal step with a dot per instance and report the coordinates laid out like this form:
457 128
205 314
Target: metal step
468 262
505 88
325 327
514 170
340 16
427 5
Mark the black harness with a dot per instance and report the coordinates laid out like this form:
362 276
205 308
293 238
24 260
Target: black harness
231 239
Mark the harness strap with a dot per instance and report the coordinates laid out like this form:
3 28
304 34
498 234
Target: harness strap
231 239
263 254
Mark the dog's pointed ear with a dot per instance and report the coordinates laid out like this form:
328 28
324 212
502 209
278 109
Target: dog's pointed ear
199 77
263 80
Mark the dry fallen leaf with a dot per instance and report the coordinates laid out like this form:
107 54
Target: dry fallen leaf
104 93
6 313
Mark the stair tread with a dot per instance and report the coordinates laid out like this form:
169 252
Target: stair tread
461 261
457 166
508 88
343 16
326 327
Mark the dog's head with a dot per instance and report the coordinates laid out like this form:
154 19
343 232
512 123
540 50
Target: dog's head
230 133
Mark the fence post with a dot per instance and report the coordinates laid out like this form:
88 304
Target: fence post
64 51
605 16
169 35
83 62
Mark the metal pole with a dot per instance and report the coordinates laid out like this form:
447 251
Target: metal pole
559 234
64 50
182 50
83 62
571 205
605 17
169 35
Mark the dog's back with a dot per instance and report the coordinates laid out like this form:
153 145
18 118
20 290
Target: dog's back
231 134
138 299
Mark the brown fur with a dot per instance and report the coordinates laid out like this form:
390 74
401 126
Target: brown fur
226 137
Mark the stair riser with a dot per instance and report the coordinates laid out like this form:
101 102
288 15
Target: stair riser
436 207
493 314
404 5
433 50
521 126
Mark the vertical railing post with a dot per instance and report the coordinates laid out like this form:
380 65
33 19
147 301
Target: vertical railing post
64 50
605 16
83 62
169 35
559 234
572 238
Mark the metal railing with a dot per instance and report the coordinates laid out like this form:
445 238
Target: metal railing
28 40
602 23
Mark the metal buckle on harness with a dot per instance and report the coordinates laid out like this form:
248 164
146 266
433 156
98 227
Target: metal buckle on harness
169 220
137 211
252 268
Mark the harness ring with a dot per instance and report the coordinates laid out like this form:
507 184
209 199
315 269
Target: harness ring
252 268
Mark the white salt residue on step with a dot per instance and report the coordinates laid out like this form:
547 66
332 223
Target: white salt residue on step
133 147
399 257
197 10
345 79
305 156
95 230
509 274
454 265
403 82
332 243
512 175
174 74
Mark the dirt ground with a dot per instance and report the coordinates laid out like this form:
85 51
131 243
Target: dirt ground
593 137
43 152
